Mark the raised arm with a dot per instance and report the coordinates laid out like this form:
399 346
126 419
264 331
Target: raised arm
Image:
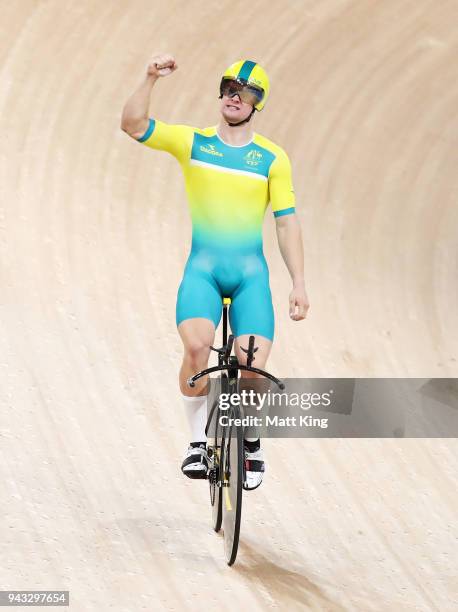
135 119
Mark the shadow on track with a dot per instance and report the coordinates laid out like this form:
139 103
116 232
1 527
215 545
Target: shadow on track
289 588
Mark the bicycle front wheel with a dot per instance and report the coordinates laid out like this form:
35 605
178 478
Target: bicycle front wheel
232 459
214 445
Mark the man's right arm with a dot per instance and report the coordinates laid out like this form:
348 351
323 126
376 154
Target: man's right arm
135 120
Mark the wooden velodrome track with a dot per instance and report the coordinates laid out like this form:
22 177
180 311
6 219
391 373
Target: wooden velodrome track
94 233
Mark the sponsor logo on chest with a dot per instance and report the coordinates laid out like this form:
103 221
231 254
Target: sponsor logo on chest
211 150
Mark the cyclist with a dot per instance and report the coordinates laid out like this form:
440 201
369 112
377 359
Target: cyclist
231 173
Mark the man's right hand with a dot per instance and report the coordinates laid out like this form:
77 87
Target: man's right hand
134 119
161 65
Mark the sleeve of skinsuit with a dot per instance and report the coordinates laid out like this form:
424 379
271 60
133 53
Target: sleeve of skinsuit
281 190
175 139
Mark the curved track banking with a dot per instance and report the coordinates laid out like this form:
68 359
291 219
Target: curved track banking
94 233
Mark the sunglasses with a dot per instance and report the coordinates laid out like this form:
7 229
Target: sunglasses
247 93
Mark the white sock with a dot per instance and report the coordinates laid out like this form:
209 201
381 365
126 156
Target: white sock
196 412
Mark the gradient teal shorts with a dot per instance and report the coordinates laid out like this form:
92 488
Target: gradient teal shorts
209 276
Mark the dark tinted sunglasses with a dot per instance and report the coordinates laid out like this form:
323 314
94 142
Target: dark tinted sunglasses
247 93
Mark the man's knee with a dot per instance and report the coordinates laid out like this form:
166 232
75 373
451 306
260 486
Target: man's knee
197 350
258 362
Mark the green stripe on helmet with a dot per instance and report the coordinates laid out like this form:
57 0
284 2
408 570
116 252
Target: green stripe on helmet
246 70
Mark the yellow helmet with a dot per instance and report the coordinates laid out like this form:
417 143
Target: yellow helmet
249 73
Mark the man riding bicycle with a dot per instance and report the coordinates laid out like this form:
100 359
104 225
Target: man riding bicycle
231 175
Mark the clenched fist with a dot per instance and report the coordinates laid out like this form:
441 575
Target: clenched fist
161 65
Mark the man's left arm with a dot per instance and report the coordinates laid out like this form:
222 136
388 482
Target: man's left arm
289 234
291 248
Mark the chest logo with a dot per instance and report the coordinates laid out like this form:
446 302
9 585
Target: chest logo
211 149
253 157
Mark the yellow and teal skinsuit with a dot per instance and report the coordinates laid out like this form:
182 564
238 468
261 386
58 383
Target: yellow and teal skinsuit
229 188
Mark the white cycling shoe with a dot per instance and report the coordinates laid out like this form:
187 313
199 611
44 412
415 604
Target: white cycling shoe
254 469
195 462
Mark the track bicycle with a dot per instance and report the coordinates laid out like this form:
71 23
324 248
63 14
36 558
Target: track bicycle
225 444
